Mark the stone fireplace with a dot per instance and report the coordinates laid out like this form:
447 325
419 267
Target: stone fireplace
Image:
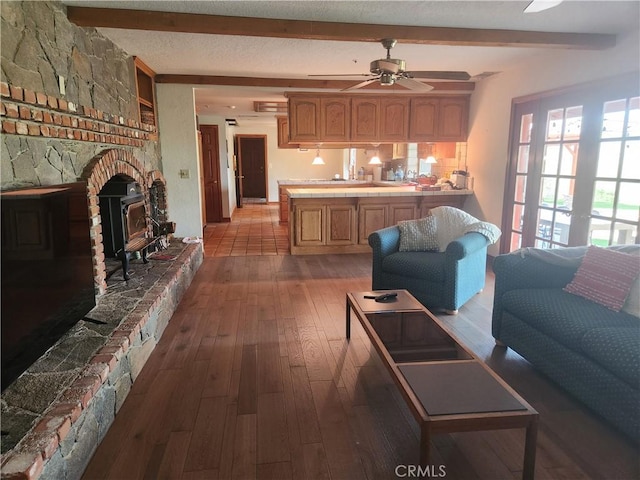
121 164
58 411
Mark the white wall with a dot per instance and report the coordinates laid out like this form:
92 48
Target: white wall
487 154
289 163
178 144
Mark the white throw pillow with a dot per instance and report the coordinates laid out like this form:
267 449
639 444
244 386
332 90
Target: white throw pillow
418 235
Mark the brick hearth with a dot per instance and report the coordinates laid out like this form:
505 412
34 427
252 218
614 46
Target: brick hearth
55 415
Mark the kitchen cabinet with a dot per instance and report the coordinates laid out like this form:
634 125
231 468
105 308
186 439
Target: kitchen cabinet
439 119
371 217
394 119
283 134
341 224
335 119
309 225
453 117
360 118
304 119
365 119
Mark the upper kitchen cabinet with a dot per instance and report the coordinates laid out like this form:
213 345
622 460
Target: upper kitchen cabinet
365 119
304 119
359 118
283 133
453 119
394 119
335 119
439 119
145 89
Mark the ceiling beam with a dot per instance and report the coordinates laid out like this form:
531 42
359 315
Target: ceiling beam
299 83
314 30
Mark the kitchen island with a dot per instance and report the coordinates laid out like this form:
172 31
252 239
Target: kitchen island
284 185
339 220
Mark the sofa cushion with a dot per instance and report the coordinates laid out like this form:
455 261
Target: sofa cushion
428 265
615 349
418 235
561 315
605 277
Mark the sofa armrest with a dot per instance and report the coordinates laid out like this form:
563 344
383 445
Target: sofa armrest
514 271
385 242
466 245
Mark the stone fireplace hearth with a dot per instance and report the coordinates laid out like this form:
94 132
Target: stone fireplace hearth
55 415
57 412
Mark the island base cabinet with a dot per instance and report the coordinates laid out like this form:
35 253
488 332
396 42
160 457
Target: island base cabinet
371 217
318 228
310 222
343 225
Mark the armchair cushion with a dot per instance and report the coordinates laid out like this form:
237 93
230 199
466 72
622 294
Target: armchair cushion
416 265
418 235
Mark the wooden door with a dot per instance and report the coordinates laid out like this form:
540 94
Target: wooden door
365 119
252 160
394 119
211 173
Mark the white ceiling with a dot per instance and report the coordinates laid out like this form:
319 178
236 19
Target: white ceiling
221 55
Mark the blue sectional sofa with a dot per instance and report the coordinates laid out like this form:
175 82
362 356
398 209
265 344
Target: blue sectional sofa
589 350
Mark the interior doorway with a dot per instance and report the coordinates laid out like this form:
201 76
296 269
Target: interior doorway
251 170
210 157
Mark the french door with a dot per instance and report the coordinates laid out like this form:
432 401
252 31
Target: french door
574 169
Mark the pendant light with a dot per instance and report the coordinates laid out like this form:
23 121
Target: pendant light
318 160
375 160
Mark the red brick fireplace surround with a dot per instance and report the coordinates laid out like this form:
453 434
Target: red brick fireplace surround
97 173
61 415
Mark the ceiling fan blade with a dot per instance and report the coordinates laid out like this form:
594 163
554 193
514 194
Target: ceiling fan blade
343 75
360 85
440 75
414 84
536 6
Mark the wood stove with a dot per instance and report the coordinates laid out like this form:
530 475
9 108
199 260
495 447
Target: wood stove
124 222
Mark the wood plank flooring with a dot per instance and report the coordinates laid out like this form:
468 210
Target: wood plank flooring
253 379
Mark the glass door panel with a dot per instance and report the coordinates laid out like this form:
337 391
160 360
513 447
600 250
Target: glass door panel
615 206
521 172
557 179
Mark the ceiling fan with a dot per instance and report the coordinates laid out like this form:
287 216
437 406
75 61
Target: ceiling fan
389 71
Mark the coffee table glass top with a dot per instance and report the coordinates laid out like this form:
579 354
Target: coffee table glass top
457 388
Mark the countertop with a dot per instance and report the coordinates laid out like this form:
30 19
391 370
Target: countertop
321 181
381 191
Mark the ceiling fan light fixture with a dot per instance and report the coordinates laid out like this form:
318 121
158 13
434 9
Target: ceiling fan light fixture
387 79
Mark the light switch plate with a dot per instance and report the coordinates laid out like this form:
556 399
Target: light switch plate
184 173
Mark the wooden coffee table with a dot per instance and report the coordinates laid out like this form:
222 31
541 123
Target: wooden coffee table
446 386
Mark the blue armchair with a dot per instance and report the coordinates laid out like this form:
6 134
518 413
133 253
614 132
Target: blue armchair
439 280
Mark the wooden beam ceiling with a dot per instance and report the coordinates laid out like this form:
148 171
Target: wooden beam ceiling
299 83
314 30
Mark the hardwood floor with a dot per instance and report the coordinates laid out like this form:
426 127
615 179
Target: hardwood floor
253 379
